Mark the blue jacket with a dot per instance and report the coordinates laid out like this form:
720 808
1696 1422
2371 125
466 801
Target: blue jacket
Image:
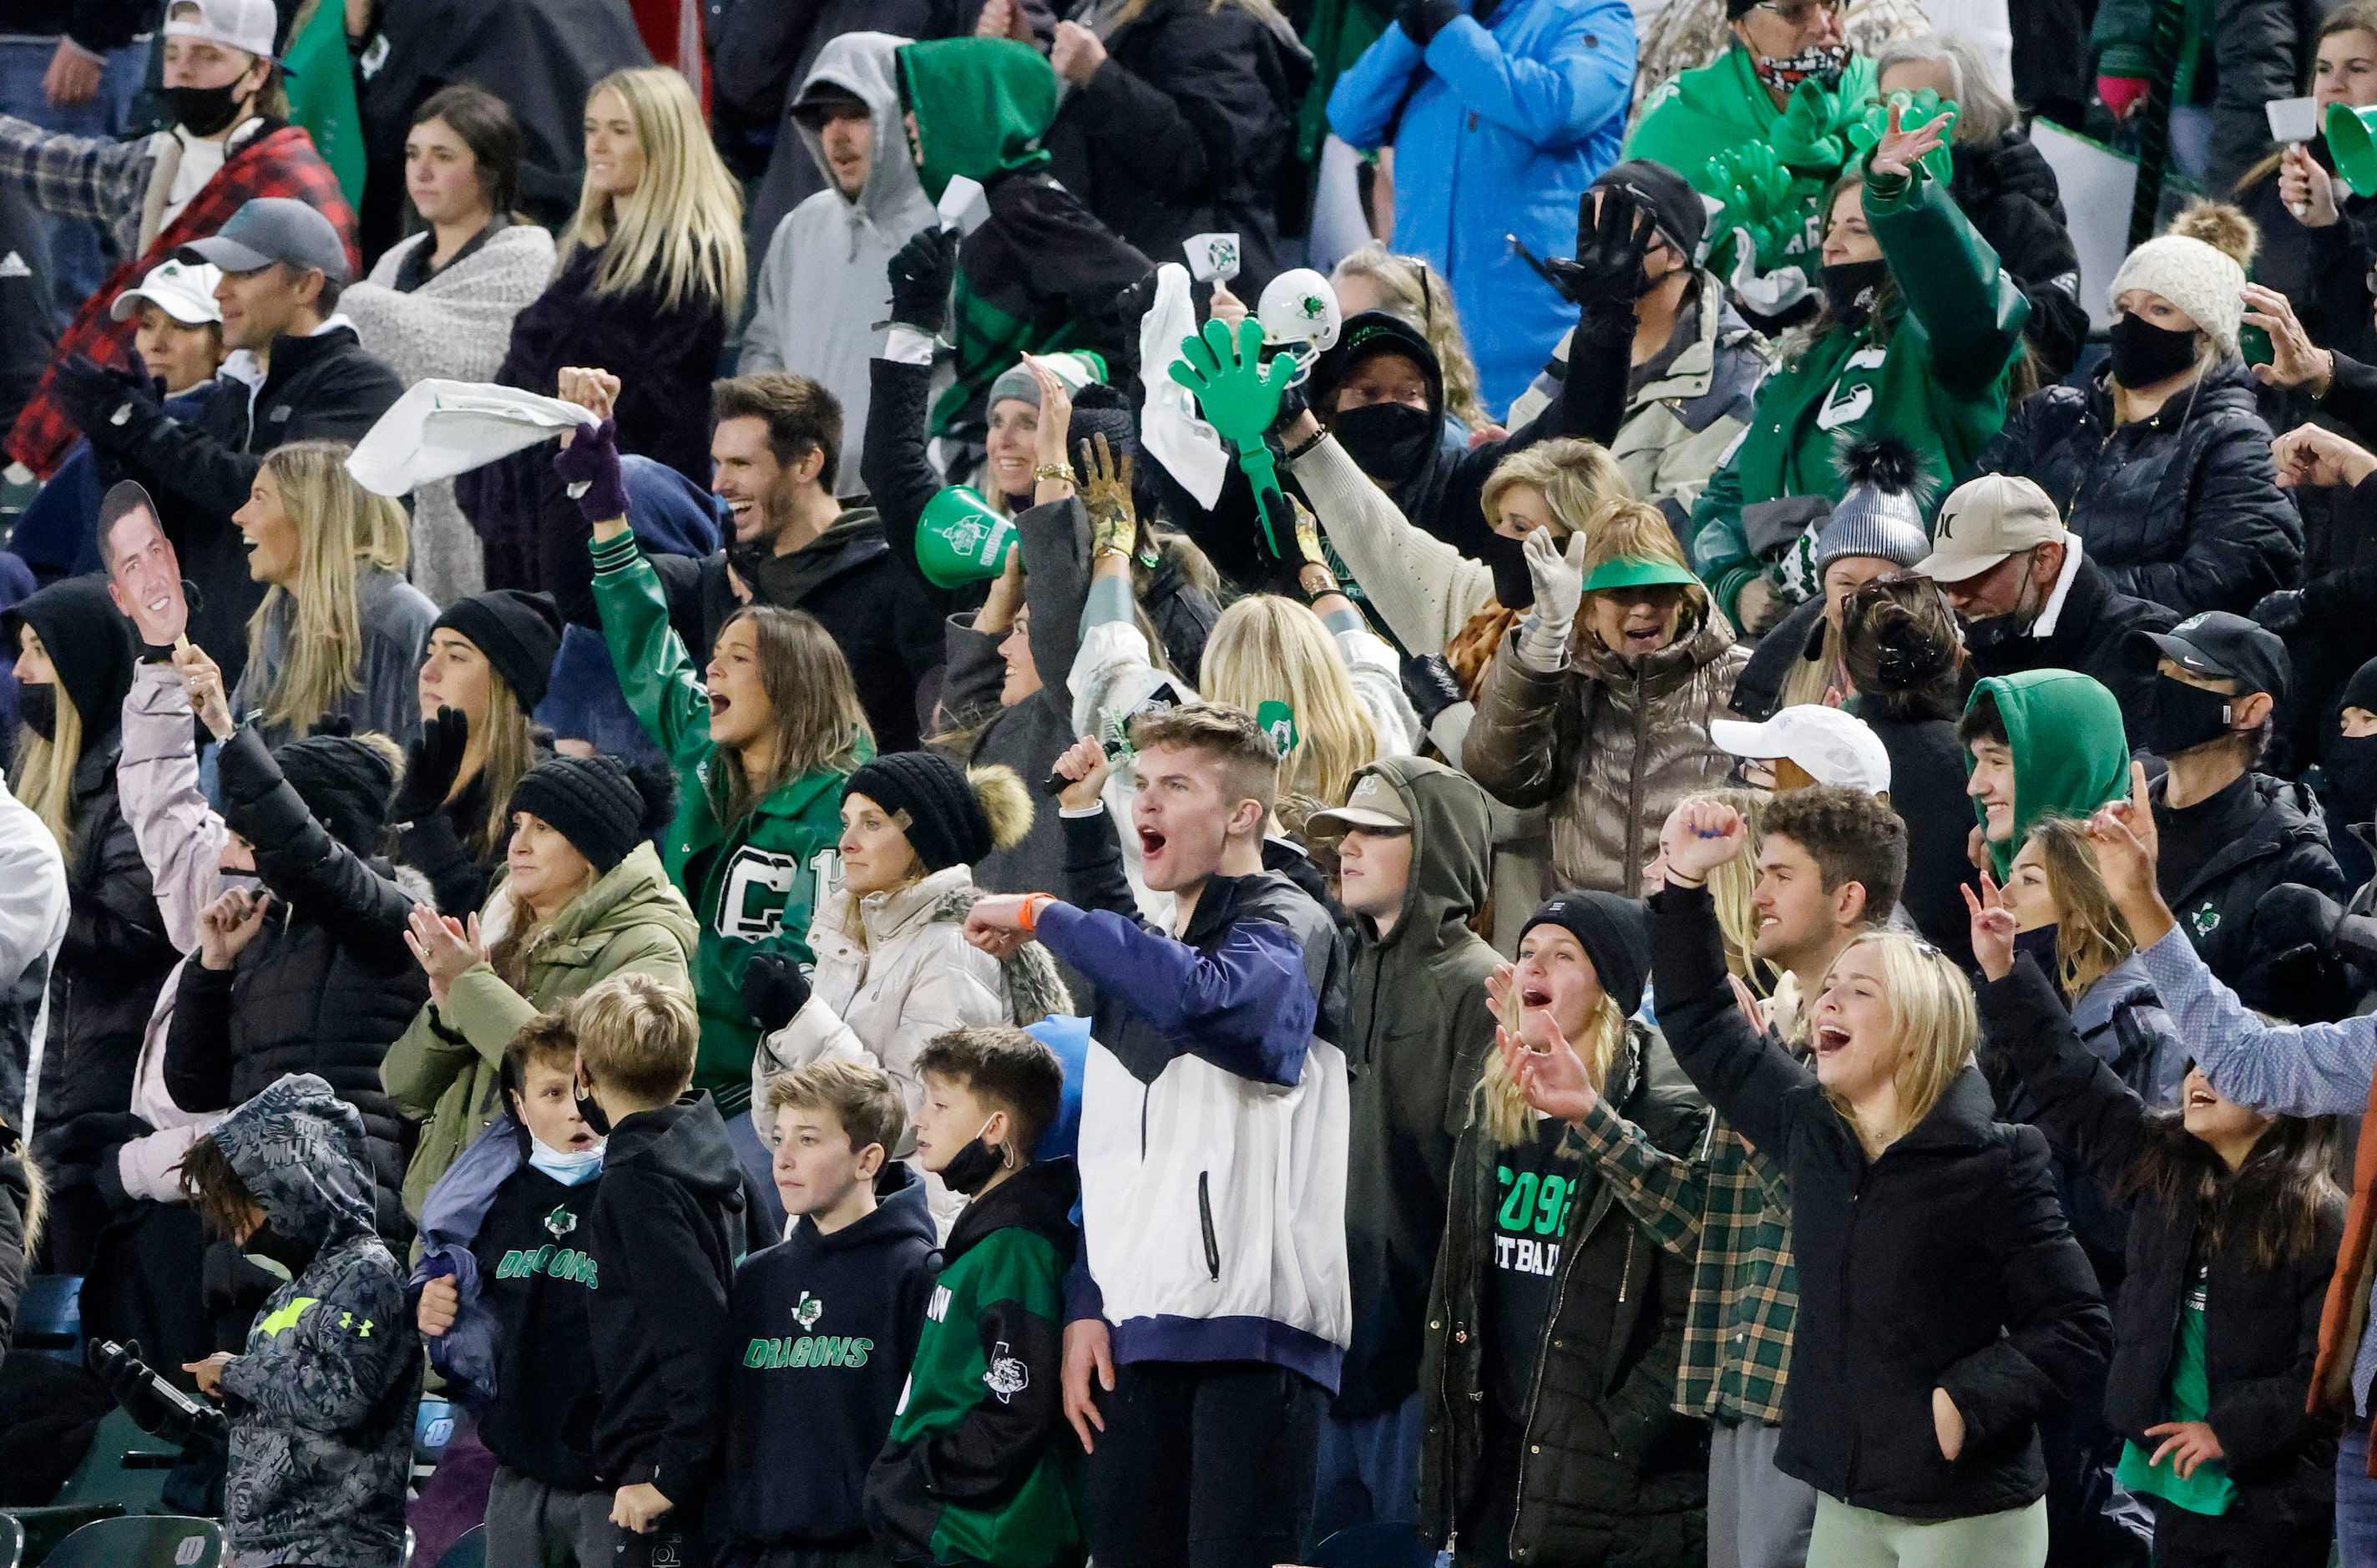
1497 130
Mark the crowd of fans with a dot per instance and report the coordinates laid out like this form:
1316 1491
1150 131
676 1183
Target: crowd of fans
1196 783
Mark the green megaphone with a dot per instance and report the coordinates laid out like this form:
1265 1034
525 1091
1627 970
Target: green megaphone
2351 143
961 539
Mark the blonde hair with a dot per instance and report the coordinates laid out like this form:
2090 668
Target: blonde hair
1576 478
1268 649
1933 1022
1498 1107
638 1035
1623 528
511 752
1418 295
679 232
819 725
341 527
517 948
42 774
1733 883
2090 935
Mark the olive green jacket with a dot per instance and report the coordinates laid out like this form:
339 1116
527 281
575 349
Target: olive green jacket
447 1067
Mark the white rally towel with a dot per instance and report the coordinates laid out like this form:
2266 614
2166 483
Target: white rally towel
1168 426
441 428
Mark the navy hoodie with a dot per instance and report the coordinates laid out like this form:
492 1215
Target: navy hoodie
665 1232
823 1329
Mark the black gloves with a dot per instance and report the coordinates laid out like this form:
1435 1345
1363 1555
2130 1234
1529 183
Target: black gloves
2281 612
2290 917
1605 277
1432 686
161 1411
113 408
432 764
921 275
1423 19
773 990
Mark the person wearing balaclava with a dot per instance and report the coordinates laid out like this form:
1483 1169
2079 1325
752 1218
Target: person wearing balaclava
74 660
1920 337
2161 462
308 972
2348 756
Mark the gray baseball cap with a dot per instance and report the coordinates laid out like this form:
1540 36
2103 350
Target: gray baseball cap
270 229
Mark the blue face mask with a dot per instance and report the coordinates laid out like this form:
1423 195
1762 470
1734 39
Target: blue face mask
572 1167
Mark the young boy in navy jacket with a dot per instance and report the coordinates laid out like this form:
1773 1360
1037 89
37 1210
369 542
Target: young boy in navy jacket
823 1325
1214 1307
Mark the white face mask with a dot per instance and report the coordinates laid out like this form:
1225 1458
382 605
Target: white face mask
571 1168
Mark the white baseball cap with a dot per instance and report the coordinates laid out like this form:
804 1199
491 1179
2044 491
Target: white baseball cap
246 25
183 290
1833 746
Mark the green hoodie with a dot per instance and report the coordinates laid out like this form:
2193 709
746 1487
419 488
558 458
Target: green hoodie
982 105
2070 753
753 883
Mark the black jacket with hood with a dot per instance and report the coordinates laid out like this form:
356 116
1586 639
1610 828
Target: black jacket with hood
1187 127
821 1331
321 1397
2261 1323
1418 1030
1944 1264
1607 1470
2182 508
324 987
2009 192
884 618
2275 833
666 1228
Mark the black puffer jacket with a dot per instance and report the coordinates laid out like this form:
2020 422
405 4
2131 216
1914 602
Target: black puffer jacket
1944 1264
1183 129
2183 509
2261 1325
2277 834
325 988
1607 1472
2009 192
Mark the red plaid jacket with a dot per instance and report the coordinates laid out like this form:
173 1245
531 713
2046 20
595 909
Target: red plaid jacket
279 162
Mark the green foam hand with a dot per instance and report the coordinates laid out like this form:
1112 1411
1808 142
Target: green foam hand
1240 398
1913 109
1807 136
1764 202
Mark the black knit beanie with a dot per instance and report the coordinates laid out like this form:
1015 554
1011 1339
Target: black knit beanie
603 805
946 823
1615 934
1101 410
2361 692
518 633
345 784
88 641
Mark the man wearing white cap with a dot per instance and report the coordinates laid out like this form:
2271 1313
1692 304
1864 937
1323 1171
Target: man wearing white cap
1810 744
2028 595
160 192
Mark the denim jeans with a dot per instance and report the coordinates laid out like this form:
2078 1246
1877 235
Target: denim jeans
78 251
2356 1498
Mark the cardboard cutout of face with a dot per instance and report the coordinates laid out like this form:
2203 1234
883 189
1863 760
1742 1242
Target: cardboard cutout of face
144 575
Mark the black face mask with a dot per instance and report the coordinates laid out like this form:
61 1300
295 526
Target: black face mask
2352 771
973 1166
1514 586
1850 290
266 1242
204 110
2145 353
1387 441
38 706
589 1110
2175 717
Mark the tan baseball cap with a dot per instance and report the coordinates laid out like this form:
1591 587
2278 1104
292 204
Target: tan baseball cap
1986 519
1375 803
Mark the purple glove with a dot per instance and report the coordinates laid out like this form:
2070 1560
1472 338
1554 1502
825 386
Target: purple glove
591 466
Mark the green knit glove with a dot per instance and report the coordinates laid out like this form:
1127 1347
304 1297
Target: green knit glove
1240 397
1913 109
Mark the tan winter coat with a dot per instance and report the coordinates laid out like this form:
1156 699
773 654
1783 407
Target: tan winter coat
1609 750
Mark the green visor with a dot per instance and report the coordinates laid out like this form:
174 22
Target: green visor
1632 573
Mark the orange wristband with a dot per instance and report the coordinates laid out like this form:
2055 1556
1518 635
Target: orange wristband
1030 915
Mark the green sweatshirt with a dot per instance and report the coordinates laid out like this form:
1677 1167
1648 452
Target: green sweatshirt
754 884
1931 369
979 1466
2070 753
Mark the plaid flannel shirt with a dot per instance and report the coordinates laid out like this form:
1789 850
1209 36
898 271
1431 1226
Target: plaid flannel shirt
1745 1301
79 176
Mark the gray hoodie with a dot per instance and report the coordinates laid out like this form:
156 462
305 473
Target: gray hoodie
823 287
321 1399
